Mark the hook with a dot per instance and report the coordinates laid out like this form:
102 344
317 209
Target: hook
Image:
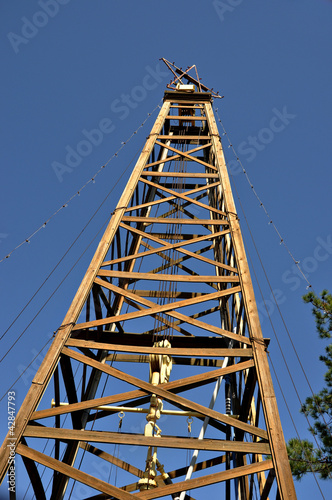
190 421
121 417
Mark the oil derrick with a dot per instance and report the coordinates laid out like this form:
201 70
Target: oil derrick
159 373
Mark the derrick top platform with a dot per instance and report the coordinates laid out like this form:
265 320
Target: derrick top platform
179 96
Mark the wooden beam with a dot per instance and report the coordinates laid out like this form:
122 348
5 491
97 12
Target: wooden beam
183 118
184 138
202 481
147 339
175 236
186 106
180 278
193 175
166 220
187 99
141 440
179 360
171 351
166 294
75 474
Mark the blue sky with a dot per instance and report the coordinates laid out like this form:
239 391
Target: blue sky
80 77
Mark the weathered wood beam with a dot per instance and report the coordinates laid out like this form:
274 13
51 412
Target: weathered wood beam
186 106
141 440
167 277
178 360
166 220
175 236
75 474
193 175
183 117
183 138
171 351
166 294
202 481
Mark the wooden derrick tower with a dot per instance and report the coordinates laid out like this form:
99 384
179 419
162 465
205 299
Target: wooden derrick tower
159 374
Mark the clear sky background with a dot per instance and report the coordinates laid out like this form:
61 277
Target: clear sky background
71 67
